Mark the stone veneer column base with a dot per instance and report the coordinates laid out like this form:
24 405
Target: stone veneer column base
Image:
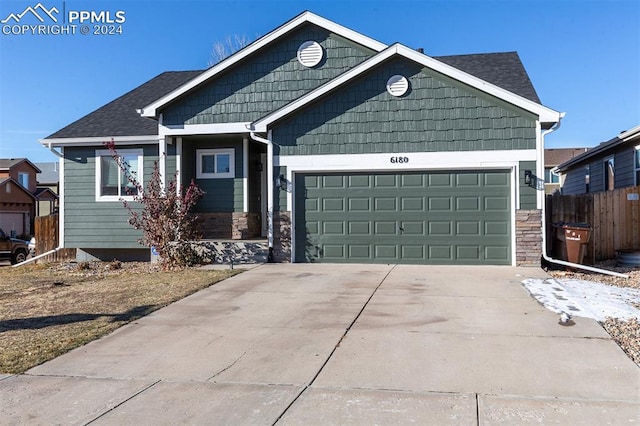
233 226
528 237
282 236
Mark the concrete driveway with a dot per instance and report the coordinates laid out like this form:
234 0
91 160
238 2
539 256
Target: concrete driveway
340 344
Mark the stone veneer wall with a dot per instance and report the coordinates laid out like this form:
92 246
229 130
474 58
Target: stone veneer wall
282 236
528 237
234 226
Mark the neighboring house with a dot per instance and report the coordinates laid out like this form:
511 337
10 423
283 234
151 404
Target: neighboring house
47 192
17 195
610 165
334 146
553 157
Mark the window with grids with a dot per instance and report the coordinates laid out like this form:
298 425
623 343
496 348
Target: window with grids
112 183
215 163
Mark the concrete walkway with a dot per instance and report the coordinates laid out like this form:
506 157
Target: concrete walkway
340 344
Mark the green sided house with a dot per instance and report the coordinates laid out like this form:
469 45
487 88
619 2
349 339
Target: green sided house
329 145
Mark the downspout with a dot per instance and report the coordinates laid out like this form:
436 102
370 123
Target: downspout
269 166
33 259
545 256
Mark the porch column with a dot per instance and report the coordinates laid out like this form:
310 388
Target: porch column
162 160
245 174
178 165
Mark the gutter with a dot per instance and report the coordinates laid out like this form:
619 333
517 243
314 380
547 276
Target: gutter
269 145
545 256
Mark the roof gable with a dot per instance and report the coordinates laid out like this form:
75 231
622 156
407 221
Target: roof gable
151 110
546 115
266 80
9 163
12 191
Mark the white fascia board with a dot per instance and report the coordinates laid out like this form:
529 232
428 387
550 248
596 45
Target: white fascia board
545 115
630 134
203 129
151 110
100 140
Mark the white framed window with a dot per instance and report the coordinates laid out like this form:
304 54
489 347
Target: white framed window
111 182
23 179
215 163
637 165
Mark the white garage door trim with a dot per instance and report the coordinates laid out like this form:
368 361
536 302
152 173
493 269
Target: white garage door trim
469 160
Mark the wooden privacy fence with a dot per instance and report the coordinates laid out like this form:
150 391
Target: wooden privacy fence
614 217
47 238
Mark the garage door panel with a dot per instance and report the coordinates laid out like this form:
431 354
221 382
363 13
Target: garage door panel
468 228
415 204
386 251
414 217
439 203
496 228
467 179
359 204
440 228
468 204
360 228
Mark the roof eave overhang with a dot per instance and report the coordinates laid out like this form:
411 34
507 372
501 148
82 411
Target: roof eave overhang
631 134
99 140
152 109
546 116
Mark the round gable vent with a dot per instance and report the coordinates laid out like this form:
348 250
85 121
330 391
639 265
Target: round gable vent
397 85
310 54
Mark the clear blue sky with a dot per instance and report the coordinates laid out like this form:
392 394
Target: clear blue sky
582 56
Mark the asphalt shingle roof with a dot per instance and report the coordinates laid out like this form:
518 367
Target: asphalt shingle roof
502 69
119 117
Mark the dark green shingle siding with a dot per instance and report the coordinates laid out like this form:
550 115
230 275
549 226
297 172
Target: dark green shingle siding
437 114
271 79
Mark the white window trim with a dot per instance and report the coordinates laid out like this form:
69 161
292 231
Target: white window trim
232 163
107 153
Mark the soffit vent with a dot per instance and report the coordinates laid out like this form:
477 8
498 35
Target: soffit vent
397 85
310 54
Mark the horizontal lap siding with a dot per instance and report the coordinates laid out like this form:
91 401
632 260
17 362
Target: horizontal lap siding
91 224
437 114
268 81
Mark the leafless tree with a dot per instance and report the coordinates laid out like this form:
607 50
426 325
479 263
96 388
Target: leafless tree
227 47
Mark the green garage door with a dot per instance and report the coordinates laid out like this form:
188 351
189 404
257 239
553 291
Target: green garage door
414 217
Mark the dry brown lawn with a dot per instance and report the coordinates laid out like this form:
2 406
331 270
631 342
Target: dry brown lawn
47 310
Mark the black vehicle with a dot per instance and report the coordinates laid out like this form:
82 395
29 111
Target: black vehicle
14 249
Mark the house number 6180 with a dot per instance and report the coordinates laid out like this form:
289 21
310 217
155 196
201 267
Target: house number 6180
399 160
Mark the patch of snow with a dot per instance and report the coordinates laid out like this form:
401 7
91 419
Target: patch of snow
585 298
